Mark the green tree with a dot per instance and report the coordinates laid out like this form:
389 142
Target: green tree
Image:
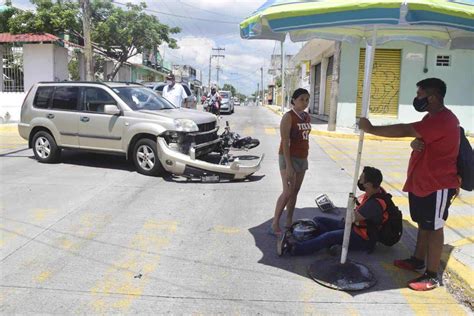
5 17
121 34
58 18
229 87
73 67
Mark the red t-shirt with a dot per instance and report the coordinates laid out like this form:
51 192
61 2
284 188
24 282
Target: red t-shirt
434 168
299 135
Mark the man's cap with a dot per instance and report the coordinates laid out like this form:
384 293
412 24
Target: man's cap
170 76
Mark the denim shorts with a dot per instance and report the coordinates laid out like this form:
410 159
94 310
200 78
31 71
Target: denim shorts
299 164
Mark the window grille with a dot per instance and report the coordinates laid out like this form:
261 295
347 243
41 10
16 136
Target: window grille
12 79
443 61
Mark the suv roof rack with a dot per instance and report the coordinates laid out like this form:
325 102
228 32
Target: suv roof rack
105 83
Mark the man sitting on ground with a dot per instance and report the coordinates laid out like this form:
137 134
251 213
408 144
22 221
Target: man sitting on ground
331 231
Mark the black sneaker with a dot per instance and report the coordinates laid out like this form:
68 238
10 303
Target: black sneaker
410 264
425 282
283 245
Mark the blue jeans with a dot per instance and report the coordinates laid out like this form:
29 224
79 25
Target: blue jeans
332 233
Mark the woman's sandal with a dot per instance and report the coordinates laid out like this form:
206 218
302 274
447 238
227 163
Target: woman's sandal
271 232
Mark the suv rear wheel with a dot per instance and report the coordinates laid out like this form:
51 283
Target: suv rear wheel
145 158
45 147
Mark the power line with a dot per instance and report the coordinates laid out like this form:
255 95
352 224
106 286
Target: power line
181 16
218 13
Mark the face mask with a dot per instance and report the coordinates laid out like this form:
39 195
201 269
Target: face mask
169 82
420 104
360 185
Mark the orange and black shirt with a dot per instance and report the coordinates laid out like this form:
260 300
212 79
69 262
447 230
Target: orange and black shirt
299 135
371 209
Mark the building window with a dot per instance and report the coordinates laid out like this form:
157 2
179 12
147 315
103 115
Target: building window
443 60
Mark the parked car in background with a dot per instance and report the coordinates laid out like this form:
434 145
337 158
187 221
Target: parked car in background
227 102
236 101
191 100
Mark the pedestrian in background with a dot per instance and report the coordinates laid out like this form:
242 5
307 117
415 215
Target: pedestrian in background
295 128
174 92
431 178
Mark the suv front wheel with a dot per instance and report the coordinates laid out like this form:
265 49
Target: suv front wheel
145 158
45 147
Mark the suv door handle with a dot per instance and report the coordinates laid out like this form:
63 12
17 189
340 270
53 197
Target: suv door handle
85 119
50 116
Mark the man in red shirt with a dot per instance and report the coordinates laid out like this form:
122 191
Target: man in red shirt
431 178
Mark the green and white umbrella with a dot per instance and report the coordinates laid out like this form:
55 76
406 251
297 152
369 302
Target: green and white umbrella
439 23
447 24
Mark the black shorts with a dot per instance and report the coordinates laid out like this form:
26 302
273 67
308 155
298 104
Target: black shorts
431 211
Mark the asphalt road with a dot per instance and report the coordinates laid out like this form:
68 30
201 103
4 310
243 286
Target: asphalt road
89 235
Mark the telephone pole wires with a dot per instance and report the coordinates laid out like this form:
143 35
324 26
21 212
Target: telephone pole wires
218 55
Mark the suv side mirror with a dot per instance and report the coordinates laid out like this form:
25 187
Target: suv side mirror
111 109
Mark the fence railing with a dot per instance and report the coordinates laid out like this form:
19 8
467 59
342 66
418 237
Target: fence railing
12 78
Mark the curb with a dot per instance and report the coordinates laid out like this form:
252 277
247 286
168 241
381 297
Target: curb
460 276
8 127
354 136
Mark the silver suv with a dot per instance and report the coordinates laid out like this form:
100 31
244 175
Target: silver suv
122 118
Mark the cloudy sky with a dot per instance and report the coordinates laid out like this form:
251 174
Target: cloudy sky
207 24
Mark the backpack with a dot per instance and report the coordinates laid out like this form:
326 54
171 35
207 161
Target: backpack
465 162
390 231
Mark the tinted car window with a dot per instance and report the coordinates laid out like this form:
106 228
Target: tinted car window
95 100
42 97
224 95
143 99
65 98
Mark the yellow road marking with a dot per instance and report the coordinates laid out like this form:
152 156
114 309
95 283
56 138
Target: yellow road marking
226 229
41 213
8 128
464 272
249 130
120 277
270 131
434 302
170 226
403 201
43 276
462 242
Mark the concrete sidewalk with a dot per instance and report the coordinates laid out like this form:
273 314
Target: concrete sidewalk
392 158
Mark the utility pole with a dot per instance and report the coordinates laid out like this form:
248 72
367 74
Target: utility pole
218 55
86 22
263 89
334 87
256 94
282 78
209 81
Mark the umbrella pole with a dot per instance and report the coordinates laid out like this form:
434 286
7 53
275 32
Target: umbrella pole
369 62
282 65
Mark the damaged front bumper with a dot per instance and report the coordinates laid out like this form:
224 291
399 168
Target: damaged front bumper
181 164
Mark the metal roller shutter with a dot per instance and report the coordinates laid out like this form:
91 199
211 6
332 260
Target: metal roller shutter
327 94
385 87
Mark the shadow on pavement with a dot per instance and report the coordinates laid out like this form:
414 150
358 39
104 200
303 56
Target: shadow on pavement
380 262
95 160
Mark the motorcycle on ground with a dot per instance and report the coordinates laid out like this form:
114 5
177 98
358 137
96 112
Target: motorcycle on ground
231 140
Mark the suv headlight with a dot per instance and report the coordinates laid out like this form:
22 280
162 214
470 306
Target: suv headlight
185 125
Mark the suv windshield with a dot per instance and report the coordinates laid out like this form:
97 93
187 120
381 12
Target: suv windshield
224 95
141 98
